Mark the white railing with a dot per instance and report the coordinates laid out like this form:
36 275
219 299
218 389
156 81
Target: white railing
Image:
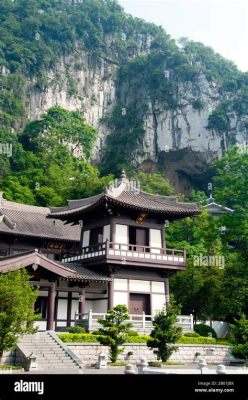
126 252
139 321
186 322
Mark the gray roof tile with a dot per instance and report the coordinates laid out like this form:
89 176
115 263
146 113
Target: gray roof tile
67 271
25 220
127 196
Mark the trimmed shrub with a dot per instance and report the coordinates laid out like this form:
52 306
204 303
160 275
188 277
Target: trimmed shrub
191 334
90 338
114 330
78 338
240 330
160 364
240 351
165 332
76 329
137 339
130 332
204 330
196 340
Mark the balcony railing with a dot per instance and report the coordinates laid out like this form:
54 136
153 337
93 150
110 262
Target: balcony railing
140 322
124 253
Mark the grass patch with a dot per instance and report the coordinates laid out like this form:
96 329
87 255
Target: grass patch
137 339
8 366
160 364
92 338
117 364
78 338
226 342
196 340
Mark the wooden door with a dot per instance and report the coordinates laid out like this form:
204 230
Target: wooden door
141 239
139 303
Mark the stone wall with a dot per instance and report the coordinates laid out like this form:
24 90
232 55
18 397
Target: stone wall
9 357
187 354
15 357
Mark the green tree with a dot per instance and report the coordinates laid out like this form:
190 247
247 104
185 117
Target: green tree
230 189
231 180
44 169
225 288
200 237
154 183
16 312
165 332
240 332
240 351
115 329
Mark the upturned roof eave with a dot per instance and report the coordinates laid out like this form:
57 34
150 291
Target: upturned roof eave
172 210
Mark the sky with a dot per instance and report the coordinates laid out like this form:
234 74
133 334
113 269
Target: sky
220 24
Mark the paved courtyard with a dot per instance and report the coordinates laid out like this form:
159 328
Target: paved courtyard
179 369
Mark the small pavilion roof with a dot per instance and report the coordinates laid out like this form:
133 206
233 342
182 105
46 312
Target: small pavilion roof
214 208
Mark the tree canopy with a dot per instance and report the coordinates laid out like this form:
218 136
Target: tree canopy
50 162
223 284
17 298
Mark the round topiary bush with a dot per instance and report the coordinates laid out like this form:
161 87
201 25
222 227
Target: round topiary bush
204 330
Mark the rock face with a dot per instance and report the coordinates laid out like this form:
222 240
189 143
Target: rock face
177 140
80 82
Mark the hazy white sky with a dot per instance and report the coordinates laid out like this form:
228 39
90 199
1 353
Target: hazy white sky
221 24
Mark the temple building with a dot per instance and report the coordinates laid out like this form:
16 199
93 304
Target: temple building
96 252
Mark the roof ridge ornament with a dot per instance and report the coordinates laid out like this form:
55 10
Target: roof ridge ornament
123 174
7 220
116 187
211 198
9 223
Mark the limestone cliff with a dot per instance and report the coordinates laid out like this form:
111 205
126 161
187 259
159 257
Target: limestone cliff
178 140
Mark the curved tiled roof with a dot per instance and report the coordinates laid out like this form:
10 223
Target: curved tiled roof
128 196
85 273
25 220
74 272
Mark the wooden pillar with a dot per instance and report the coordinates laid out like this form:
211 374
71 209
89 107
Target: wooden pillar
163 237
111 294
56 311
167 291
69 303
81 306
51 306
112 230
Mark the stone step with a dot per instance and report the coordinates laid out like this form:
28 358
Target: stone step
55 361
50 355
40 350
56 367
47 357
65 362
45 349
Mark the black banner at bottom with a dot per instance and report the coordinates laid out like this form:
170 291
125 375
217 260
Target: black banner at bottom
102 386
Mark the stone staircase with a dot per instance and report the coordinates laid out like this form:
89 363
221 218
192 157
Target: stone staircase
49 353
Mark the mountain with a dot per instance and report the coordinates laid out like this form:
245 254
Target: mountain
157 105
